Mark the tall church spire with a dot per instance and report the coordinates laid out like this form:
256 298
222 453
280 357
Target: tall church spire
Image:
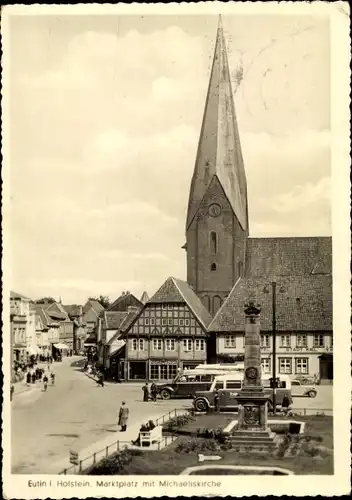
219 149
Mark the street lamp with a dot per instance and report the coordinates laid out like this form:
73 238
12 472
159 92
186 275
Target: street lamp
266 290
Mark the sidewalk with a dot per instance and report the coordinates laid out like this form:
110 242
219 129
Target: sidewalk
99 447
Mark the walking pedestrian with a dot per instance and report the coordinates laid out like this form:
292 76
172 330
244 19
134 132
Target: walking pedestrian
217 401
153 391
34 378
28 377
12 390
45 382
145 390
123 416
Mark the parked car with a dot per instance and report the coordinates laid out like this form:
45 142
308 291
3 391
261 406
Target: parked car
303 390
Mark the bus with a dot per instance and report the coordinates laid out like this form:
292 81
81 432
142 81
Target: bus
185 385
230 384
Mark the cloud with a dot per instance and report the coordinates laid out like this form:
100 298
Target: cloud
108 125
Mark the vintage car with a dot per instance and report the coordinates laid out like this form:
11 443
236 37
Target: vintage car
303 390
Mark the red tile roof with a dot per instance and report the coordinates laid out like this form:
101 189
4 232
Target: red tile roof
304 303
289 256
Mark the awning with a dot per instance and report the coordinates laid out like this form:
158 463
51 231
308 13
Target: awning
62 346
33 350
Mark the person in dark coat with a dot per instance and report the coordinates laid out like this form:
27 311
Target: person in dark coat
34 377
145 390
28 377
123 416
217 400
285 404
12 390
153 391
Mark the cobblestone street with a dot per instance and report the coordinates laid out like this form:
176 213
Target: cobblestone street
74 413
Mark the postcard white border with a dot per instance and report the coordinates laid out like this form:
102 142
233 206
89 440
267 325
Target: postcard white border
17 486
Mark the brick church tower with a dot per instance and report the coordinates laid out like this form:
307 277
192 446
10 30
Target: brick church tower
217 218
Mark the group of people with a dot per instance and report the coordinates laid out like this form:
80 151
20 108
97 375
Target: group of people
150 393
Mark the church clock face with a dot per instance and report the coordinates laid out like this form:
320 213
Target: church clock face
214 210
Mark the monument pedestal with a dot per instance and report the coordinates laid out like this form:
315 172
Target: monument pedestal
252 432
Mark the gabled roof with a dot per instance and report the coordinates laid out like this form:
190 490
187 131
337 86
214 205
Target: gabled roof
289 256
144 298
46 320
219 149
73 310
125 300
127 322
91 316
303 303
177 291
93 304
15 295
113 319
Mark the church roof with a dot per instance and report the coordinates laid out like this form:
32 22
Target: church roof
219 149
177 291
289 256
303 303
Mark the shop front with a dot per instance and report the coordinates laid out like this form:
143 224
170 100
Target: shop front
163 370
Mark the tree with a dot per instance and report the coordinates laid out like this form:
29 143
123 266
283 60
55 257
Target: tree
103 300
45 300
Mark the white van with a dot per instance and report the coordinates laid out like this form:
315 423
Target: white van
230 384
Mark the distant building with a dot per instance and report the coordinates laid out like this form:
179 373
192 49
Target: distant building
124 301
19 314
75 313
168 334
91 312
47 328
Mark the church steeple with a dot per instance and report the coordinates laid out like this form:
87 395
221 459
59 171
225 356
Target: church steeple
219 148
217 218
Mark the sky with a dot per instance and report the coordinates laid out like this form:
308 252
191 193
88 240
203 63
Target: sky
105 116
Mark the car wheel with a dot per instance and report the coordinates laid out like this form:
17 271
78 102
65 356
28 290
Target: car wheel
165 394
201 405
312 394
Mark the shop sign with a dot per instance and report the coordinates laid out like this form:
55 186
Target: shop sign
163 362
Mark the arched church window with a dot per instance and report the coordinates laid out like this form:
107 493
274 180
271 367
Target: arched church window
216 303
206 302
213 267
213 243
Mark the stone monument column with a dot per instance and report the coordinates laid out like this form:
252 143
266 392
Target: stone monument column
252 428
